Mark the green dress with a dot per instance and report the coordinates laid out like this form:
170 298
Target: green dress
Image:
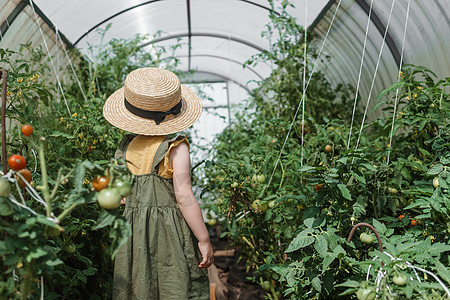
160 260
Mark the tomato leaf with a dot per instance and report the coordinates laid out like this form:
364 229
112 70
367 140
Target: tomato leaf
442 271
317 284
300 241
436 169
344 191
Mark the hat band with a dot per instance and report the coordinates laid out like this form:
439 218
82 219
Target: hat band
157 116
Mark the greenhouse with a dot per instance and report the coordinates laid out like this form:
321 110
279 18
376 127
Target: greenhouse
212 149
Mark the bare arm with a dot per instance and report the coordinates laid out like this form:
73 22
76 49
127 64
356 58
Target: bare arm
180 160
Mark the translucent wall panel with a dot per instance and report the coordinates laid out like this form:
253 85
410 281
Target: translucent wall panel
24 30
225 69
314 8
234 53
168 17
6 8
236 19
345 45
428 35
425 42
74 18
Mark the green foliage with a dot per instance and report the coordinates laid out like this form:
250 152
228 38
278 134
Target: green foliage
75 263
317 186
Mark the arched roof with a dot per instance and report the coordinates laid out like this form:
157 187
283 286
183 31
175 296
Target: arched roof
219 35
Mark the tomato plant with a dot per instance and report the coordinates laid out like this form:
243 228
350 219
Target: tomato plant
17 162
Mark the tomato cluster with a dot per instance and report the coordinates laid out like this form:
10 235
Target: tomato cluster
109 196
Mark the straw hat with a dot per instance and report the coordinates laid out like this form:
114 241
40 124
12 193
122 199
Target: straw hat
152 102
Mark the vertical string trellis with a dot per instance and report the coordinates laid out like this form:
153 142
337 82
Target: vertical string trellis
360 72
304 82
49 55
303 96
71 65
398 79
375 73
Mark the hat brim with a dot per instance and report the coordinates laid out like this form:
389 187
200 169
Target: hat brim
118 115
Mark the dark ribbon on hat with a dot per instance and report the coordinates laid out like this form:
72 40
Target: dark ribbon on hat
157 116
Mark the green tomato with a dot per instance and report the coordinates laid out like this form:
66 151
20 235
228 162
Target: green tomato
365 294
124 187
266 285
366 238
261 178
393 190
399 279
212 222
109 198
272 204
258 205
71 248
5 187
52 232
436 182
234 185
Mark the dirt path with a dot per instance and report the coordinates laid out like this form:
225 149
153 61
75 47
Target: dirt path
227 276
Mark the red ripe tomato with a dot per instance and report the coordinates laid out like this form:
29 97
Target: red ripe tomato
100 182
17 162
401 217
27 130
414 222
25 174
319 186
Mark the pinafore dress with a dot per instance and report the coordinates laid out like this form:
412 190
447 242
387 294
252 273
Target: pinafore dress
160 260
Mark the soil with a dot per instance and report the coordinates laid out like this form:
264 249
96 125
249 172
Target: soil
237 283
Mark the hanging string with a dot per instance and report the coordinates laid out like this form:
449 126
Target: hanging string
359 75
375 73
398 79
71 66
57 59
304 82
303 96
49 55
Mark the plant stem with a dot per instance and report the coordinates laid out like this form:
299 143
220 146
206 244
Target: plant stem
59 180
282 175
45 189
66 212
25 287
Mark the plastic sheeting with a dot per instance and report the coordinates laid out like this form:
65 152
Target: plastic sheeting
218 35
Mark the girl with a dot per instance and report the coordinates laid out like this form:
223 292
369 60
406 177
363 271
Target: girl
169 250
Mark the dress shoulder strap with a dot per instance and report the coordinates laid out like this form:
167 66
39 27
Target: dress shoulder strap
162 150
122 148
